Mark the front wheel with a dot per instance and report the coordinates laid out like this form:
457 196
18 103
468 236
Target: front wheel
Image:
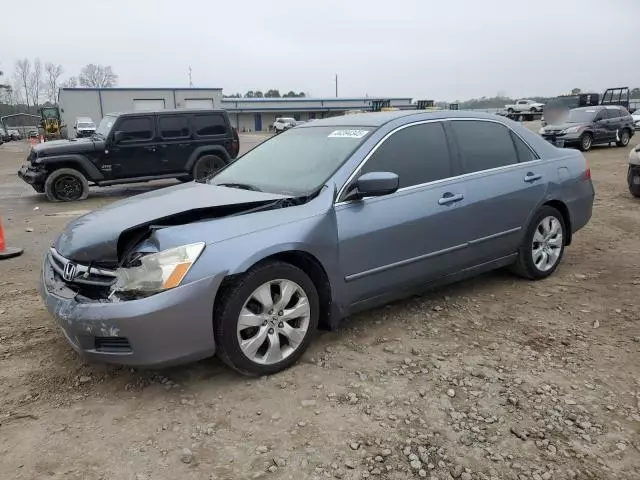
633 179
586 141
623 139
265 320
543 245
66 185
510 110
533 110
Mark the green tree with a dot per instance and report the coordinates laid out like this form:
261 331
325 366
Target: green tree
272 94
258 94
575 91
635 93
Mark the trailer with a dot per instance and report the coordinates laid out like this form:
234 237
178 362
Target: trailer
521 116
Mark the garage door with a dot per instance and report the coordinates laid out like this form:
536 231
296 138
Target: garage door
199 103
147 104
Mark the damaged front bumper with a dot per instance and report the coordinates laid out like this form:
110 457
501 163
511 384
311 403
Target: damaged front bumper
34 177
169 328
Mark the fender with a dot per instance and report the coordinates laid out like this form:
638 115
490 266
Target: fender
213 149
84 164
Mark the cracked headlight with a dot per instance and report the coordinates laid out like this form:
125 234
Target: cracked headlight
158 271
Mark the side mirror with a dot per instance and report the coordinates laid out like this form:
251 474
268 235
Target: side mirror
118 137
75 127
375 184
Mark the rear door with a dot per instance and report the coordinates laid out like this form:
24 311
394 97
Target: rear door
212 129
175 145
136 155
395 241
504 181
602 127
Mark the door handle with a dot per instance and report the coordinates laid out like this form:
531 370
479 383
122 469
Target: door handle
150 149
532 177
449 198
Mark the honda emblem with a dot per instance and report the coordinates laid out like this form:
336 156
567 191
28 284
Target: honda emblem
69 272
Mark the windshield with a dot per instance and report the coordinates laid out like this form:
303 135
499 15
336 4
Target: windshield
105 125
581 115
86 125
297 162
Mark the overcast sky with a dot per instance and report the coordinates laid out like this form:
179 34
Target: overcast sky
442 50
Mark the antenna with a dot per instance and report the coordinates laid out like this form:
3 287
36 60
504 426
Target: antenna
336 85
190 82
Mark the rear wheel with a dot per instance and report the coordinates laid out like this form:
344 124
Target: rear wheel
206 166
264 321
543 245
633 179
509 110
586 141
66 185
624 138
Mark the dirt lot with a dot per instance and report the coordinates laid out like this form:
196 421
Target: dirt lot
493 378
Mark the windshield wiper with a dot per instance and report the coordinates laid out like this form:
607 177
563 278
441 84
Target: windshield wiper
243 186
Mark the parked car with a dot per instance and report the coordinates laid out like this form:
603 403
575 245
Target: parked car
525 106
324 220
636 119
14 134
633 175
4 135
84 127
587 126
282 124
133 147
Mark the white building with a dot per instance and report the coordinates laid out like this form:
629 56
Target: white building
246 114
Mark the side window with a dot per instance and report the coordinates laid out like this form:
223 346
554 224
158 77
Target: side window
612 112
212 124
136 128
484 145
173 126
525 154
601 115
417 154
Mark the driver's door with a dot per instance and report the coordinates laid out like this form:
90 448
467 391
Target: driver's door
392 242
601 130
136 153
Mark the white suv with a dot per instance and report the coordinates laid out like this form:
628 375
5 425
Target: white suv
282 124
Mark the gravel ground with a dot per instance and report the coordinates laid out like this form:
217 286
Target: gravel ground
492 378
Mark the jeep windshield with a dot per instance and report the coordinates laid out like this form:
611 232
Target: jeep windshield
105 125
296 162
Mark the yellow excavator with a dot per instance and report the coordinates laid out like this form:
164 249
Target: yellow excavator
51 123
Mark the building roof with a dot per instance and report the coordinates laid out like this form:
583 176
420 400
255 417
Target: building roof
312 99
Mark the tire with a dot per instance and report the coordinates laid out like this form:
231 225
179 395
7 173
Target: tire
76 188
241 296
206 166
586 142
533 110
625 136
531 266
634 189
509 110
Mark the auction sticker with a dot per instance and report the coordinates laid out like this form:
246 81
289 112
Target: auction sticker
348 133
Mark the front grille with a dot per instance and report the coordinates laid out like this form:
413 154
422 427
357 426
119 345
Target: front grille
76 273
112 344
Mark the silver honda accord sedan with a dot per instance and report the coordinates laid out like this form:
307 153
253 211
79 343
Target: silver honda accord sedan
329 218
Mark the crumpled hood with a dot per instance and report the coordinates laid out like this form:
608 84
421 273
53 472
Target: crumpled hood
561 126
94 237
59 147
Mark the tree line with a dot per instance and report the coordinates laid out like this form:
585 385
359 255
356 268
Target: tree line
272 93
35 83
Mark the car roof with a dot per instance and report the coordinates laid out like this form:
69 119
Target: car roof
593 107
377 119
168 111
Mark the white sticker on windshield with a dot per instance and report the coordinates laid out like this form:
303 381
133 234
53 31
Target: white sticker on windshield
348 133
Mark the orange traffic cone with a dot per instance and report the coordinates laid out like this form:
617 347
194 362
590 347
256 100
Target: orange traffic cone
41 138
7 252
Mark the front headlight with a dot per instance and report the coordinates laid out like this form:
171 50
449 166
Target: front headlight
571 130
158 271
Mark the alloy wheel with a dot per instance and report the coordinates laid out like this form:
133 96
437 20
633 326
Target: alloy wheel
586 142
547 243
68 188
273 321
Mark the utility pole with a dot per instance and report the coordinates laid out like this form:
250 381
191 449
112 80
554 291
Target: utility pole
336 85
190 82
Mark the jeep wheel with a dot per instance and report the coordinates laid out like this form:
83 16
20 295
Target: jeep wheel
206 167
66 185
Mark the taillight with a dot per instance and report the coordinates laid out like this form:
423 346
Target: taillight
587 174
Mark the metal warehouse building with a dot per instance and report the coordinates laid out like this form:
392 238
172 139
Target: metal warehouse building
246 114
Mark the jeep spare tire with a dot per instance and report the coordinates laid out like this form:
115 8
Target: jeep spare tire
206 166
66 185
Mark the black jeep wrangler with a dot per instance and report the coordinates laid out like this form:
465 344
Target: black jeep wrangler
133 147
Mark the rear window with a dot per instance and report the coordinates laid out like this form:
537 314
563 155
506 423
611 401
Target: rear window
174 126
209 124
